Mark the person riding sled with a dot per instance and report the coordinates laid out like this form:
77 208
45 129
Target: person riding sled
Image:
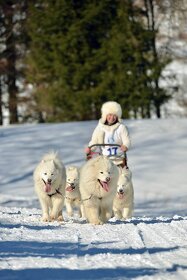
111 130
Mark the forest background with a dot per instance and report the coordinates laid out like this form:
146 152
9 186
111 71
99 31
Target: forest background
61 59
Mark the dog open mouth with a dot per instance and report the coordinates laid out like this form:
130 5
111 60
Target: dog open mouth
104 185
47 186
70 188
121 194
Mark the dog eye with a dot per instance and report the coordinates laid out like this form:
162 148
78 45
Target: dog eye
52 174
45 173
101 172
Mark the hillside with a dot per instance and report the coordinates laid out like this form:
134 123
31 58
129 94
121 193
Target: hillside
151 245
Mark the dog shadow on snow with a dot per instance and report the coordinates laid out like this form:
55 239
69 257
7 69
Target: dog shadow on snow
60 250
91 274
63 251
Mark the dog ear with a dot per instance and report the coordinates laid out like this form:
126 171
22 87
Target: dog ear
78 171
55 164
71 168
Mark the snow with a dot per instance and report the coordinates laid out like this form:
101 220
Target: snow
151 245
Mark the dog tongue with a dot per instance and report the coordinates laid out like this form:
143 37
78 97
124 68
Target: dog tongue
120 195
105 186
69 189
47 187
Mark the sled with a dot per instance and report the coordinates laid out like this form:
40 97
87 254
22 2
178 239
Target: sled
112 151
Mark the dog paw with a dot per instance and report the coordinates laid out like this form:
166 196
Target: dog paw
53 218
97 222
70 214
60 219
45 219
118 218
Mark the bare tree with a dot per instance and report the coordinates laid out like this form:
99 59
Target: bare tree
13 14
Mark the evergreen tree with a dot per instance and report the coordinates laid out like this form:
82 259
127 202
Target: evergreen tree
66 57
83 53
127 62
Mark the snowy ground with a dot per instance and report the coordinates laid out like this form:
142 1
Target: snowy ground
151 245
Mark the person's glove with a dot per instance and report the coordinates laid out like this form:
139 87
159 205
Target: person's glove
87 150
124 148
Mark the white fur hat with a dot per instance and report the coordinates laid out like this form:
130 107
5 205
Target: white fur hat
111 107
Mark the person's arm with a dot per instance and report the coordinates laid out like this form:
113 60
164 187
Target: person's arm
94 140
125 138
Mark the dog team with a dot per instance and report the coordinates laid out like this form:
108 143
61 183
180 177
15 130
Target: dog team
102 187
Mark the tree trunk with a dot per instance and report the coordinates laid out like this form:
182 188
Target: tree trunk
158 113
12 90
1 105
149 5
11 67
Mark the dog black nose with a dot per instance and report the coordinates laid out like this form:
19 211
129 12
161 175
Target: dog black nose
72 184
120 191
49 180
107 179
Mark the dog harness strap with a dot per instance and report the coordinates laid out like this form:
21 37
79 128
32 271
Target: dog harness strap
90 198
72 199
57 191
50 195
87 198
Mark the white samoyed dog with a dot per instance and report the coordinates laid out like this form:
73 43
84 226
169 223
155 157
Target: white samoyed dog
123 204
98 180
72 192
50 179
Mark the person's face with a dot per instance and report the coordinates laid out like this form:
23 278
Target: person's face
111 118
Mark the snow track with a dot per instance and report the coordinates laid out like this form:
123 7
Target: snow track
137 248
150 246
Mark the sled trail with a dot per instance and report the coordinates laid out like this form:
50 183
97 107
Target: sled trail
140 246
150 246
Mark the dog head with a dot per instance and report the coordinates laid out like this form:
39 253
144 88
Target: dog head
122 185
72 178
49 173
105 172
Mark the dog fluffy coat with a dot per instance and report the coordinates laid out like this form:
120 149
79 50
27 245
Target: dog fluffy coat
98 180
123 204
49 180
72 192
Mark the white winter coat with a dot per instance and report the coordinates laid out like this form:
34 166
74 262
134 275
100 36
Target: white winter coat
114 134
